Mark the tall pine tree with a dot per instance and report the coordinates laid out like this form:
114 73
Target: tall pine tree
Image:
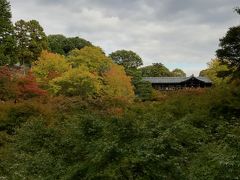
31 40
7 40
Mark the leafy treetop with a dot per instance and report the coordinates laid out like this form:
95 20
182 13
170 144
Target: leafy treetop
92 57
31 40
155 70
7 41
49 66
128 59
62 45
229 51
214 71
178 73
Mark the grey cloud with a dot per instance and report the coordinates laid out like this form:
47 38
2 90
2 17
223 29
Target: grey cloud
181 33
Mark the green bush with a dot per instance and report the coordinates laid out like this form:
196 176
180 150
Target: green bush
183 137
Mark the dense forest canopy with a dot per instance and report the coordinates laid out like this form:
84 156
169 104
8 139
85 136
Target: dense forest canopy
62 45
69 111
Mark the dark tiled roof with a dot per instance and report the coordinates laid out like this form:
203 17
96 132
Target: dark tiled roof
167 80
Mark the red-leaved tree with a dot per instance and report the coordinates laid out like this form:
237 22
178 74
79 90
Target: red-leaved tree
8 88
28 87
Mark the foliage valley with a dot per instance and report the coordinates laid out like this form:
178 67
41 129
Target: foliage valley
69 111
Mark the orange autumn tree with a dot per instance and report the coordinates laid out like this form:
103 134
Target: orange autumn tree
118 84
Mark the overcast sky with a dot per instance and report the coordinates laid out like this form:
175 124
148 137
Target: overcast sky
178 33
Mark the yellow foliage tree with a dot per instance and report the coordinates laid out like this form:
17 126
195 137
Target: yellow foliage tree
91 57
50 66
214 68
77 82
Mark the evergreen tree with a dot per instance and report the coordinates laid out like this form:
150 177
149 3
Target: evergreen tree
31 40
7 41
60 44
229 51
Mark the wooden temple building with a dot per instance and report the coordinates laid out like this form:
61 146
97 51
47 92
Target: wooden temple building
174 83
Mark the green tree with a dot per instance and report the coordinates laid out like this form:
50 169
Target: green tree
75 43
128 59
31 40
7 40
142 89
155 70
214 71
229 51
178 73
56 43
229 47
63 45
